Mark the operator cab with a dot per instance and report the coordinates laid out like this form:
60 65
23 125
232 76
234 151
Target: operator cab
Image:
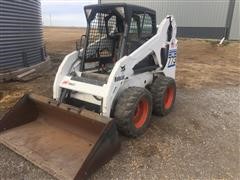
113 31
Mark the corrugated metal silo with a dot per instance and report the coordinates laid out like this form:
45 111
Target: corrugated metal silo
21 37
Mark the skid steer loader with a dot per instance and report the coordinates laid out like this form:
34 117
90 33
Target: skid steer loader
122 71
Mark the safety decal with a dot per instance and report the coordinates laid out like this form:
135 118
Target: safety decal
119 78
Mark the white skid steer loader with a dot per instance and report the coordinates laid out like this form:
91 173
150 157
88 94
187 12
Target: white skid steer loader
123 69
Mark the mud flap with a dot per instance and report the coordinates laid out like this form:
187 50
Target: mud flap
67 142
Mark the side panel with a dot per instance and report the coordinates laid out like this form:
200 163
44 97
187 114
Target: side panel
170 68
65 67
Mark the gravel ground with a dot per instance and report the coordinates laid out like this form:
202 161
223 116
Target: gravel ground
199 139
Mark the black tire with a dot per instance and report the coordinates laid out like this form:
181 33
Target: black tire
161 88
133 111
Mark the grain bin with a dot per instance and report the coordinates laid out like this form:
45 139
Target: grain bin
21 38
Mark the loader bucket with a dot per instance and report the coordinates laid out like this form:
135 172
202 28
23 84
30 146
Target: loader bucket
67 142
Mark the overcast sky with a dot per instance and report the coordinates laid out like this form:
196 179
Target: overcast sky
64 13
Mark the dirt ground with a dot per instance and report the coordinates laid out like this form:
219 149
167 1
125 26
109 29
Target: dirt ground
198 140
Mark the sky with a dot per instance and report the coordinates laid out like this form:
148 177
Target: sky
64 13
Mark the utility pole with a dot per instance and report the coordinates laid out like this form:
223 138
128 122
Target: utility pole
229 18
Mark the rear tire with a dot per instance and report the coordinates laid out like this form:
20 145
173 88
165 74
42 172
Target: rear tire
133 111
163 91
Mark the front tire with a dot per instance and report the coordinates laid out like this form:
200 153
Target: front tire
133 111
163 90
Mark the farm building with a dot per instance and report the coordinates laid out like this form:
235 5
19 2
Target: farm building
212 19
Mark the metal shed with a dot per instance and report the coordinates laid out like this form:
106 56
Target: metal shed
235 26
198 19
21 41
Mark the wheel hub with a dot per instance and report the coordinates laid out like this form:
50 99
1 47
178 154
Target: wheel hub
141 113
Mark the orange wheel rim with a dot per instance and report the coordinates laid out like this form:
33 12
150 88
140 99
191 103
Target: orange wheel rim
141 113
168 98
